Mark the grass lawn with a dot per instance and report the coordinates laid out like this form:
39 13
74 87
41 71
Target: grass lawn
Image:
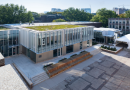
53 27
3 28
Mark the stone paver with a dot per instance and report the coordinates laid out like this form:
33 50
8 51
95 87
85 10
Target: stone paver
109 71
120 88
79 84
88 78
111 86
95 72
89 89
122 73
115 81
127 80
86 68
107 63
116 66
69 79
94 64
125 85
96 83
106 77
119 77
104 88
60 86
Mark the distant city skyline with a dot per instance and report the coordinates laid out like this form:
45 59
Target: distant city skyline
43 5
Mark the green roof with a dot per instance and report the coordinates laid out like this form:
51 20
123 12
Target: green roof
3 28
53 27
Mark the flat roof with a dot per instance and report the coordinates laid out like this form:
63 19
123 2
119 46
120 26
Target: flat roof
106 29
45 24
3 28
53 27
10 80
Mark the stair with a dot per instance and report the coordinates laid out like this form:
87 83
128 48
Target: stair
39 78
56 69
95 52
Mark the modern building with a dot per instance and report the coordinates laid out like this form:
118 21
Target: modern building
120 10
87 10
50 18
44 45
9 42
106 35
56 10
122 24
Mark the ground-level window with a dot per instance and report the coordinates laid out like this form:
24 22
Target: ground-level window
69 49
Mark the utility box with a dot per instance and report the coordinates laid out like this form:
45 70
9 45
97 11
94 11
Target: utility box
2 60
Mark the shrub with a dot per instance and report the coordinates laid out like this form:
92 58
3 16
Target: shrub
82 51
73 55
62 59
47 65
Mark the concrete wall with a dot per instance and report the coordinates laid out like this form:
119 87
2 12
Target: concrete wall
20 49
64 50
33 56
84 44
76 47
90 42
44 56
23 50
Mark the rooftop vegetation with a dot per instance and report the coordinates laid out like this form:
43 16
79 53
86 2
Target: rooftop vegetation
3 28
53 27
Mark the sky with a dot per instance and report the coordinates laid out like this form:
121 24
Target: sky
45 5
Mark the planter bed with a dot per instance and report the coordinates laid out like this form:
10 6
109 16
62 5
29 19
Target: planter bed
67 63
114 52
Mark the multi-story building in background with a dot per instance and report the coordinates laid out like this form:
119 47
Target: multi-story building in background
50 18
120 23
119 10
56 10
87 10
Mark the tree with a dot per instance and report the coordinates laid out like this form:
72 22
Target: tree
127 14
102 15
73 14
10 13
36 15
122 15
30 16
59 20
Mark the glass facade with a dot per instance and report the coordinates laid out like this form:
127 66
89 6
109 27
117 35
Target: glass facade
98 37
9 40
44 41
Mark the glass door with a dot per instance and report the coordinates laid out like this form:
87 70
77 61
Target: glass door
58 52
13 51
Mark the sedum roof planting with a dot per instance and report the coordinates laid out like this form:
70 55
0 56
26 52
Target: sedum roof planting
53 27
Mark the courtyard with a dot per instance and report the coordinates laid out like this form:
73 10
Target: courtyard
104 71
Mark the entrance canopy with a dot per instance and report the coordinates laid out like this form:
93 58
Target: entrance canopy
125 39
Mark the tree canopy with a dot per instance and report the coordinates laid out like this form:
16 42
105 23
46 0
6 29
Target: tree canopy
102 15
73 14
36 15
10 13
59 20
127 14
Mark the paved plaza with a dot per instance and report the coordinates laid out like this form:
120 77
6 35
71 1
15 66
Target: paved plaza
104 71
111 72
